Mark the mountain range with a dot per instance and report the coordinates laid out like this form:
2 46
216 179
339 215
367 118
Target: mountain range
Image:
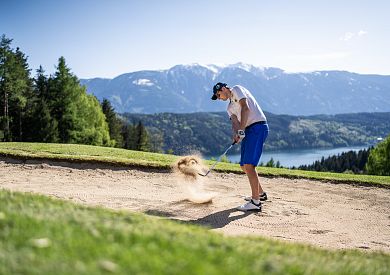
187 89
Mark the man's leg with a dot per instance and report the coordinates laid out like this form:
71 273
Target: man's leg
254 182
253 203
251 150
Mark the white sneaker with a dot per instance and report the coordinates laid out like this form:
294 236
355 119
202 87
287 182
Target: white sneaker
250 206
263 197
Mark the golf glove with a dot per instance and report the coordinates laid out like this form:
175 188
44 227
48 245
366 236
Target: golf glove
240 135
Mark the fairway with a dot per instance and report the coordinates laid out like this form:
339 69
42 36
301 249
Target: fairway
336 216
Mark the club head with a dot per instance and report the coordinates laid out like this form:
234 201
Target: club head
204 175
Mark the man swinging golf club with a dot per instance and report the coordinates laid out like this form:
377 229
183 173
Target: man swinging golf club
250 127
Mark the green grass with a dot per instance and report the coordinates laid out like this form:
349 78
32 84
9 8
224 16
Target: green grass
114 156
85 153
40 235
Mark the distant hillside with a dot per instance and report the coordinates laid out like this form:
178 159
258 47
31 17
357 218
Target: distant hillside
210 133
187 89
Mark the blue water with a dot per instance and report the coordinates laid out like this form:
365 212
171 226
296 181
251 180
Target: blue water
297 157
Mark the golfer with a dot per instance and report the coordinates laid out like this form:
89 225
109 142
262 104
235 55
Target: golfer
250 127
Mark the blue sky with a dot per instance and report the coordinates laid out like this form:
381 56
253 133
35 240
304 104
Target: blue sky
103 38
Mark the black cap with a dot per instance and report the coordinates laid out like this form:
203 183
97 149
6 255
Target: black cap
216 88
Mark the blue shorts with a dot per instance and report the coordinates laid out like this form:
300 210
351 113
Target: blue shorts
252 144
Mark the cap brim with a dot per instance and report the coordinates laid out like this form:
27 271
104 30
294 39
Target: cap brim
214 97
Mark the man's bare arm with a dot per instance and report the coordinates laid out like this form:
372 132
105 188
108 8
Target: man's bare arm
235 123
244 113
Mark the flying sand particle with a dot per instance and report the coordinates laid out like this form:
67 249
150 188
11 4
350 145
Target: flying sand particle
187 170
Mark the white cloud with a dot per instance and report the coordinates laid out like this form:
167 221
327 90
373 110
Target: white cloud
360 33
349 35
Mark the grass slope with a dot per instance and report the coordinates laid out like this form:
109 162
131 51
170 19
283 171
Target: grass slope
40 235
115 156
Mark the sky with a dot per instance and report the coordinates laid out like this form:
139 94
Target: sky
103 38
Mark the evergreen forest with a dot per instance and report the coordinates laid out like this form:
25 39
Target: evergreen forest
56 108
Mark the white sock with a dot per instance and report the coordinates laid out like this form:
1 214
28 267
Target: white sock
256 201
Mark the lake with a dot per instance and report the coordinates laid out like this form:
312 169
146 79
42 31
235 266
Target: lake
297 157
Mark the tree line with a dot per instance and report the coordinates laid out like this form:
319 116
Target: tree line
56 108
373 161
351 161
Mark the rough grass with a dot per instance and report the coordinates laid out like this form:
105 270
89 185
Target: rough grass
115 156
40 235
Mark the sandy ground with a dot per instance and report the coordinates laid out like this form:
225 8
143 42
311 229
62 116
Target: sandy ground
336 216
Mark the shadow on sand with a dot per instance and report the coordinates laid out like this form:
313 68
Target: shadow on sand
214 220
220 219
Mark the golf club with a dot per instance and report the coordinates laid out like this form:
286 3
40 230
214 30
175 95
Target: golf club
218 160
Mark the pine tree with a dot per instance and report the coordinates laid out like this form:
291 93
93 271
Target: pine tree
135 137
41 84
63 100
5 52
270 163
22 95
129 135
80 117
125 132
15 89
142 142
43 127
114 123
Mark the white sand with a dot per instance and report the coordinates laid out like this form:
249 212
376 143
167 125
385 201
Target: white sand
337 216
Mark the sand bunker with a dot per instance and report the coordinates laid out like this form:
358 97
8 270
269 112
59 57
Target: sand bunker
336 216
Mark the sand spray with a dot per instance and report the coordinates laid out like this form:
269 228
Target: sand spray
187 170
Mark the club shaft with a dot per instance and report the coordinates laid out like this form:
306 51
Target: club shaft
219 159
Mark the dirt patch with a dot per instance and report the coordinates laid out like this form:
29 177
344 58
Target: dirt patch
323 214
